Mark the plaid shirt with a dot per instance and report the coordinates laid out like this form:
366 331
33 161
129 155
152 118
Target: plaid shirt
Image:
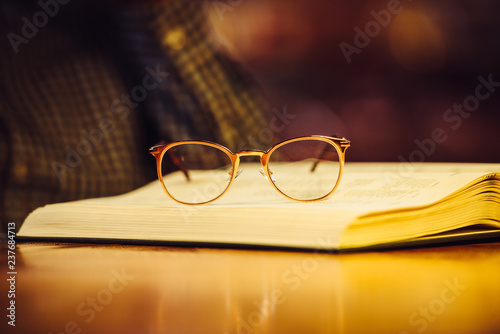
83 97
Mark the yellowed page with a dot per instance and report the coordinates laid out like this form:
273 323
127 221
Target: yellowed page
364 187
423 212
383 186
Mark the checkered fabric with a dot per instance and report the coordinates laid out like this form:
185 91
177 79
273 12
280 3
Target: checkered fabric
84 93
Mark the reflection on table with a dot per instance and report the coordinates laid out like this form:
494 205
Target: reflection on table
72 288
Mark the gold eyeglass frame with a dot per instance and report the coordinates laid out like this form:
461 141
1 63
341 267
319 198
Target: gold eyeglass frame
340 144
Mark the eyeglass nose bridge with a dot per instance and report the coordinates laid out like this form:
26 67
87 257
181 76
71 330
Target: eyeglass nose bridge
250 153
263 156
253 153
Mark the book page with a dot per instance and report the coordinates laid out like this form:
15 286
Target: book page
386 186
364 187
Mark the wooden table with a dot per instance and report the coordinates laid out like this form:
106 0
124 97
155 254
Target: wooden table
77 288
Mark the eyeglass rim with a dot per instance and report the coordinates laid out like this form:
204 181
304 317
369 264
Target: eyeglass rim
340 143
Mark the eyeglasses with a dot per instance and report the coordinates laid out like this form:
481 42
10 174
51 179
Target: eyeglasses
303 169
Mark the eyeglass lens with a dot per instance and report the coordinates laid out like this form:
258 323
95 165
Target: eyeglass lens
197 173
305 170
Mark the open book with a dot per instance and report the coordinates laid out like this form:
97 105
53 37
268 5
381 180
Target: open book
376 205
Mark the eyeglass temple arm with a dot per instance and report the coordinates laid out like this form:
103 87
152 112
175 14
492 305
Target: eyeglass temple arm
344 143
178 163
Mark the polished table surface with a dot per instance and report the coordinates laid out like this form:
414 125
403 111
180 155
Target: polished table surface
78 288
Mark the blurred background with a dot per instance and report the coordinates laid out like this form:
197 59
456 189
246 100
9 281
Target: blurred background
400 79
